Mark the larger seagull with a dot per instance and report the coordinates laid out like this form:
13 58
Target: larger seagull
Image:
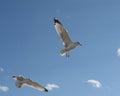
65 38
21 81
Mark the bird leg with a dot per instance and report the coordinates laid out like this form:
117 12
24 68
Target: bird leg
67 55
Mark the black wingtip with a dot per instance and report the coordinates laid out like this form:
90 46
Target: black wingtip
56 21
55 18
46 90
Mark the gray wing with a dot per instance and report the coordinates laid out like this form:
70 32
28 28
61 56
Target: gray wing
21 81
36 85
62 32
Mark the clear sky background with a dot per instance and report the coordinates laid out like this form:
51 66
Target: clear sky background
30 46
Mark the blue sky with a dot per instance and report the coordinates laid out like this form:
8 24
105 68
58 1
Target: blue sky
30 46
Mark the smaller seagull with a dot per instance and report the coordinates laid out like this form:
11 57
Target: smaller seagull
21 81
64 36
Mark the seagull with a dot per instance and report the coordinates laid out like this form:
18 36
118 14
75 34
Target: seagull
65 38
21 81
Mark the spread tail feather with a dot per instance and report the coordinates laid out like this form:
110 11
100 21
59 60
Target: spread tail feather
63 52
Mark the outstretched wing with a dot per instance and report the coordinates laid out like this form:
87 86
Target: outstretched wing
62 32
36 85
21 81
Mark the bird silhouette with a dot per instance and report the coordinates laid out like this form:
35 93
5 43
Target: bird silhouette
21 81
65 38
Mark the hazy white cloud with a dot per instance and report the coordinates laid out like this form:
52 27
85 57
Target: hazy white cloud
52 86
4 88
95 83
1 69
118 51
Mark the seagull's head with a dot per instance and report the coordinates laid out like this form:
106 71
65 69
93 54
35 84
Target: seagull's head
20 78
78 44
14 77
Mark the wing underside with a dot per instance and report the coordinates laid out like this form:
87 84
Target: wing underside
62 32
36 86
